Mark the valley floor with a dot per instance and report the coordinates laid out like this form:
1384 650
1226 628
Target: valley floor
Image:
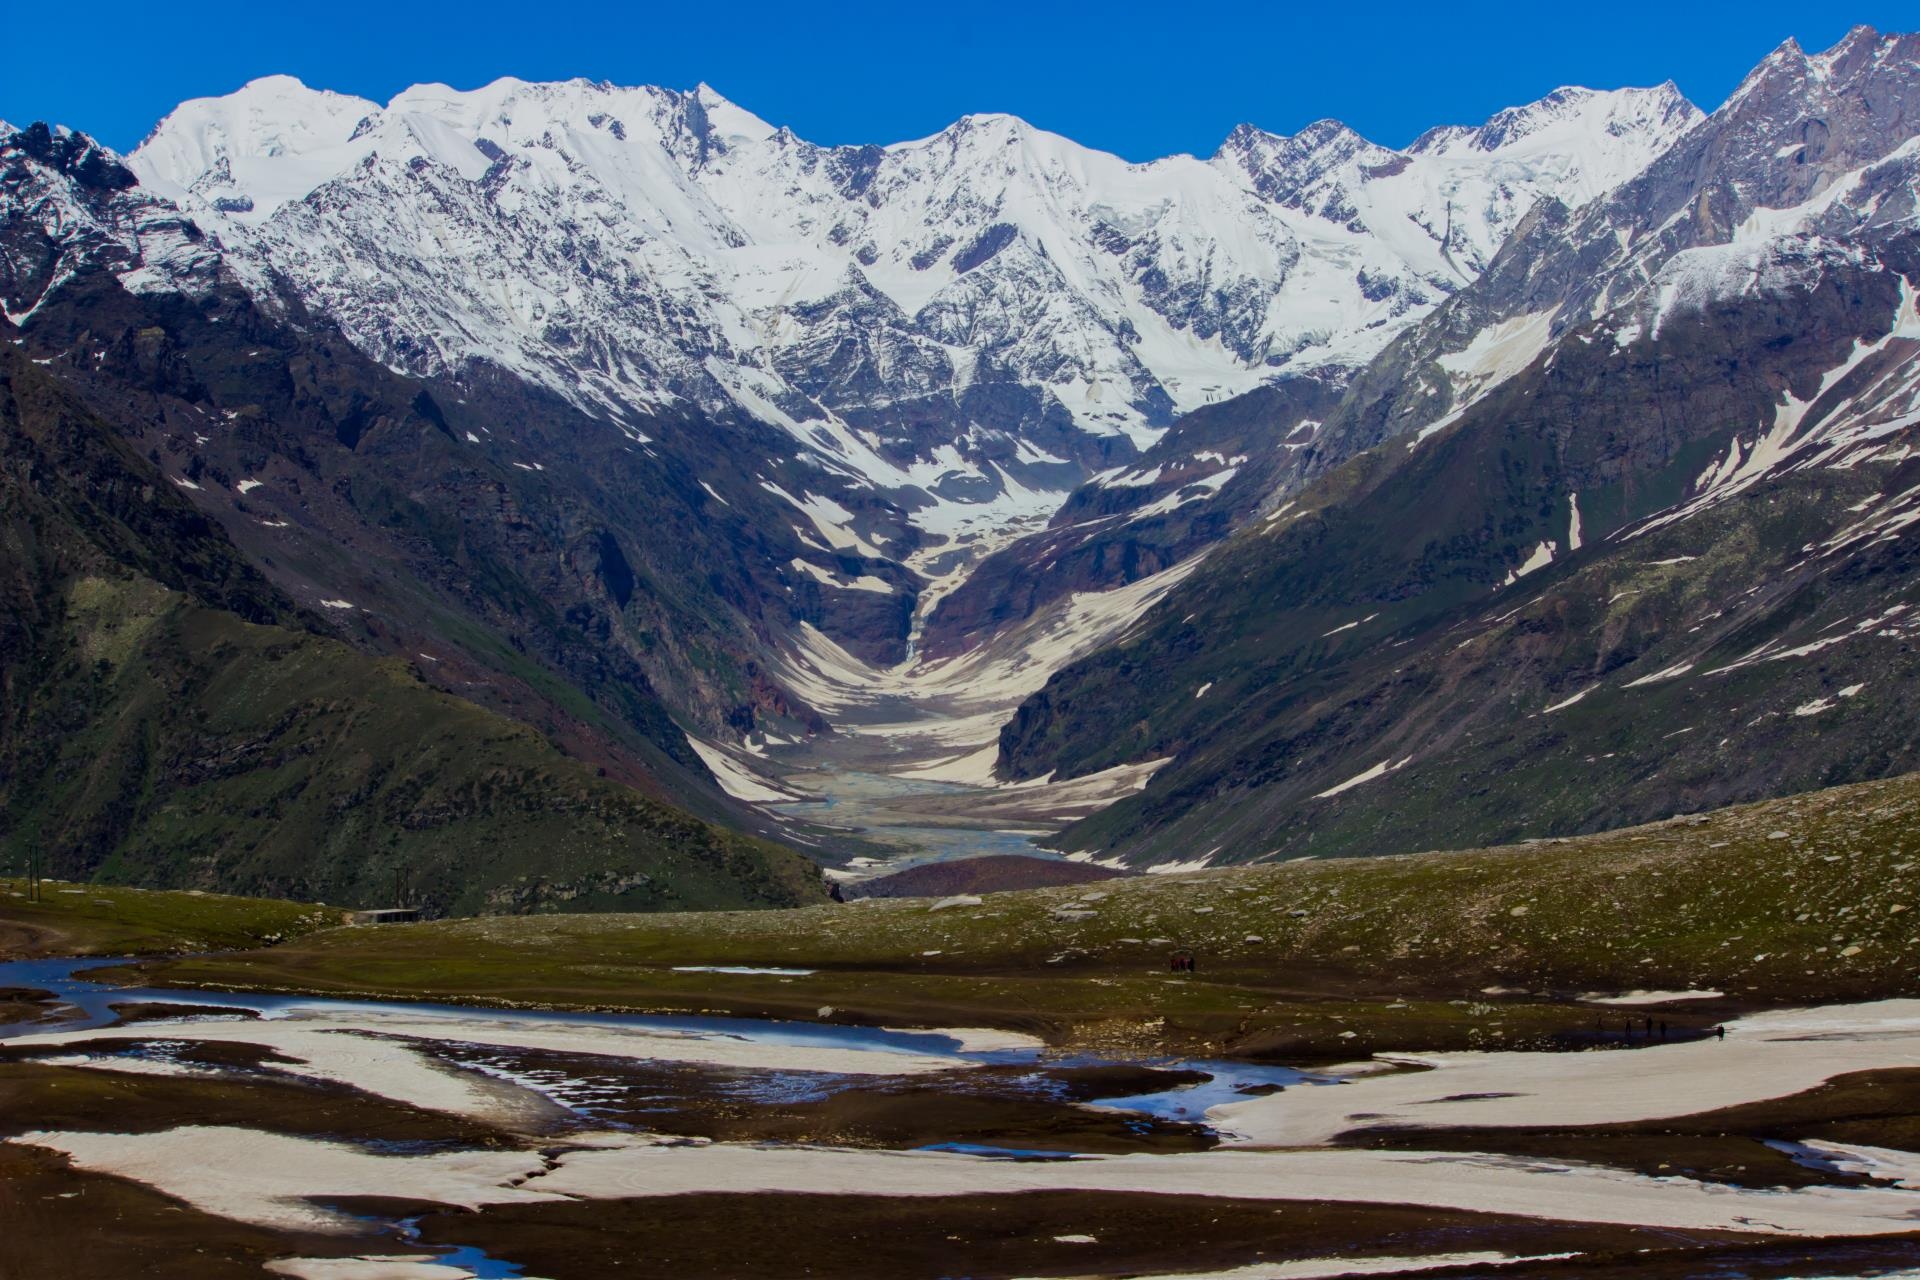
907 774
323 1139
1687 1049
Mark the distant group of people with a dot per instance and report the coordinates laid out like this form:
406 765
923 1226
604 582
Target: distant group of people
1652 1029
1180 962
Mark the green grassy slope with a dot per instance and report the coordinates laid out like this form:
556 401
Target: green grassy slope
111 920
152 734
1483 947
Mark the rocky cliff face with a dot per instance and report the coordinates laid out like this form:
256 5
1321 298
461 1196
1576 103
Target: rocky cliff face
1809 145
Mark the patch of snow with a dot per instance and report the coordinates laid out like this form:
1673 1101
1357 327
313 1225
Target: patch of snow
735 778
1562 706
1380 770
865 582
1542 557
1670 673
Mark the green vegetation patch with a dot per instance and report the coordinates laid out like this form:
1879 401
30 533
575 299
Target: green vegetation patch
107 920
1804 899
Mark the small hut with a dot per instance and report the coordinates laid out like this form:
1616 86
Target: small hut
387 915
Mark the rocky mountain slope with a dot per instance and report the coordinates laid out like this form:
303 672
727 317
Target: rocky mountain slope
1650 561
965 326
168 717
1809 145
1816 143
572 583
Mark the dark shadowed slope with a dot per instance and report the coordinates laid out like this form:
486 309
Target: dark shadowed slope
1626 584
170 719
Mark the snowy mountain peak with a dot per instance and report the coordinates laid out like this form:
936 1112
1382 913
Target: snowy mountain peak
972 321
732 123
1791 69
248 151
1571 119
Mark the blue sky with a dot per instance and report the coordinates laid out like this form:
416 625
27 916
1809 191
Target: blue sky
1142 80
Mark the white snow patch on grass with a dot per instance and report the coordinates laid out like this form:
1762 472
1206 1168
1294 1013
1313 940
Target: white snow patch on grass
1766 1055
371 1266
975 768
1562 706
1542 557
1200 863
267 1179
1671 673
1330 1268
1348 626
1380 770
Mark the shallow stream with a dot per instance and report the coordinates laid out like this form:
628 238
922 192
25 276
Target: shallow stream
94 1004
84 1004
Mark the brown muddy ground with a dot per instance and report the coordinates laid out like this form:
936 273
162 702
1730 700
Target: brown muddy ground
138 1011
1023 1108
990 873
1874 1108
60 1223
785 1237
1774 1259
35 1095
28 1005
772 1236
1307 1012
20 940
1018 1107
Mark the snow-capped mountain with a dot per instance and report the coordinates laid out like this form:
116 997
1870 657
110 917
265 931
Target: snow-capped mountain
1631 535
972 322
1811 154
